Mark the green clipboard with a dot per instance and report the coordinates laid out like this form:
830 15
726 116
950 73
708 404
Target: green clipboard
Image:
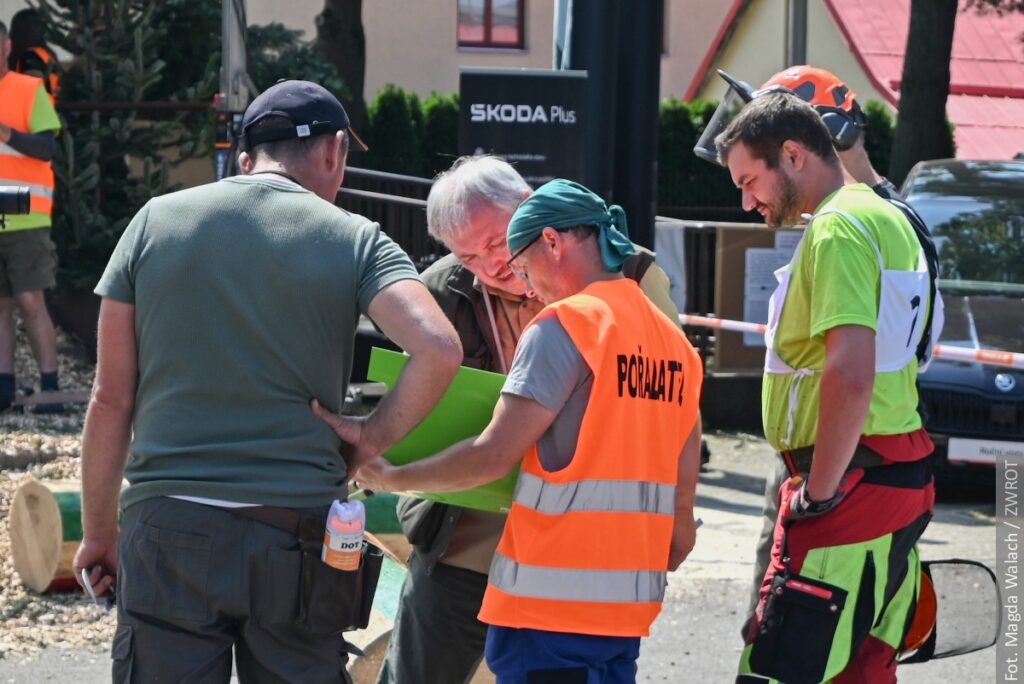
464 411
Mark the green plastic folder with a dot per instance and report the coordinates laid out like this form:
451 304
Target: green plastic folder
464 411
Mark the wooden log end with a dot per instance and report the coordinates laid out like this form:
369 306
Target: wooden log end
36 534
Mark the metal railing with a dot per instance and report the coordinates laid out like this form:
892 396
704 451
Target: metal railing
398 204
700 247
387 183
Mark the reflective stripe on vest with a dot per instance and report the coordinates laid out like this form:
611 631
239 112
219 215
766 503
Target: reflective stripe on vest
9 151
607 586
585 548
40 196
594 495
18 97
35 190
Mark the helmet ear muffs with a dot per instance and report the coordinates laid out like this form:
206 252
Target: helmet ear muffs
842 127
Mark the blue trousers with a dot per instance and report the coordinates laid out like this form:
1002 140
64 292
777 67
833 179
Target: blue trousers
531 656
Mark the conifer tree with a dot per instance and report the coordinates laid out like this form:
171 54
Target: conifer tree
111 159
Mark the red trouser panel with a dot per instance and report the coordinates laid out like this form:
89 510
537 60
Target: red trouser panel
874 663
870 510
867 512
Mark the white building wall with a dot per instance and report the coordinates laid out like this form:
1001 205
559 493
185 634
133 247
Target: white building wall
757 50
295 14
412 43
827 48
690 27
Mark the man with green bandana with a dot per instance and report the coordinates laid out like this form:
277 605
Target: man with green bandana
437 637
604 454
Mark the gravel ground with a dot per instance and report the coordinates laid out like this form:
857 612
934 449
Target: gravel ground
47 447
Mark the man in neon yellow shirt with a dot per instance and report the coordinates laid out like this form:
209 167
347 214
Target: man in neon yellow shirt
28 125
839 403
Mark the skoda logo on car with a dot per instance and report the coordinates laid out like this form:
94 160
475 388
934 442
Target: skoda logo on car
1005 382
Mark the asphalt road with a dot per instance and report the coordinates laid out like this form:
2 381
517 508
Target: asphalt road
696 639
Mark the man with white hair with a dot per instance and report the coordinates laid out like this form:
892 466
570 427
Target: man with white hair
437 637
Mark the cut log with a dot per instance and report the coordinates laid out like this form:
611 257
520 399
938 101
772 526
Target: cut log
66 397
46 528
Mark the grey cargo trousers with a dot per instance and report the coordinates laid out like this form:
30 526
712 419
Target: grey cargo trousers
198 586
437 638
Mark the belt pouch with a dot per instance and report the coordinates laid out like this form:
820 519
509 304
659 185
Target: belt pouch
338 600
795 636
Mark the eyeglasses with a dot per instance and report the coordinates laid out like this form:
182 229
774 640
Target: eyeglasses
521 273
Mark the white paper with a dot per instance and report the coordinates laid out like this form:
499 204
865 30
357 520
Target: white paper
787 239
758 285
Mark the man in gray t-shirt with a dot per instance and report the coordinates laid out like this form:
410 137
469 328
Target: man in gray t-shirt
549 370
226 309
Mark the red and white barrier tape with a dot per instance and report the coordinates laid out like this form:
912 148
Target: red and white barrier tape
990 357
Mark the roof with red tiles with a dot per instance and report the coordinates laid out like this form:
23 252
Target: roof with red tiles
986 94
986 90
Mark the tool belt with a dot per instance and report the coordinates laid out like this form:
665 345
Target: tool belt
799 460
331 600
307 529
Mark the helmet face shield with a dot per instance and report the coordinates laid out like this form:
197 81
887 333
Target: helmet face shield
729 106
830 97
738 94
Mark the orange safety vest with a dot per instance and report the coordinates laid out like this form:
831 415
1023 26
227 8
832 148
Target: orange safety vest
585 549
50 79
17 96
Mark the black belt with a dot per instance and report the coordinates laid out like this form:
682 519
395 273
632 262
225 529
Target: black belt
305 527
909 474
799 460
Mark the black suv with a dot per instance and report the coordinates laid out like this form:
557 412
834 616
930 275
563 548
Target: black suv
975 210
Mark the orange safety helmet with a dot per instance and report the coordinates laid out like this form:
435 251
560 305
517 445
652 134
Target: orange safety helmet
834 102
832 99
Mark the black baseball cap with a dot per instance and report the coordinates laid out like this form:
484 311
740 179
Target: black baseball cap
311 107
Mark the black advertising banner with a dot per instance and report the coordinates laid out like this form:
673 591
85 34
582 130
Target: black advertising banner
531 118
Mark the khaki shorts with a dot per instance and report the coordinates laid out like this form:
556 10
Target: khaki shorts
28 261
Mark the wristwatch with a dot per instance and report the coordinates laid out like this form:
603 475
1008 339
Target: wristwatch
815 507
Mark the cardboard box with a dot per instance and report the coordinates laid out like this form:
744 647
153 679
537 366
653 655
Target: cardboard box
746 257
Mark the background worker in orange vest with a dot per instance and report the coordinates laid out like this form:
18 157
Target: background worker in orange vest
30 54
28 126
600 408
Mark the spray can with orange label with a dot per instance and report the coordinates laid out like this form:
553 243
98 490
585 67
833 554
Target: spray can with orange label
343 536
